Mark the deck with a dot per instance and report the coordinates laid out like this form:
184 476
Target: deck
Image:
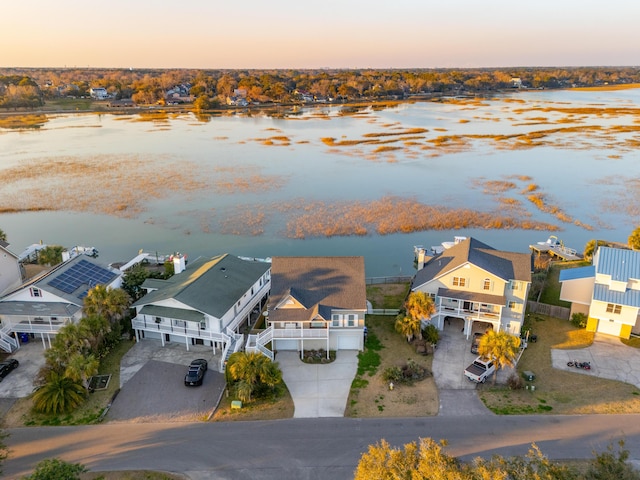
558 251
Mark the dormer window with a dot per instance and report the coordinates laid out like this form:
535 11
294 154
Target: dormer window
35 292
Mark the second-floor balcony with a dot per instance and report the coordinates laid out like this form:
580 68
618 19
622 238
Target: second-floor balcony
478 306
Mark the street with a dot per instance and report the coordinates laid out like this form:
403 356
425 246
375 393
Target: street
306 448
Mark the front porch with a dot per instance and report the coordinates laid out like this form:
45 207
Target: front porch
471 307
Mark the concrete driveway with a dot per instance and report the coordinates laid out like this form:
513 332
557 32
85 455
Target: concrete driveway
19 383
609 358
319 390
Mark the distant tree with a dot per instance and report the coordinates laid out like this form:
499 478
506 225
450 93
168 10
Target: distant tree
634 239
203 103
3 236
502 347
56 469
133 279
50 255
591 247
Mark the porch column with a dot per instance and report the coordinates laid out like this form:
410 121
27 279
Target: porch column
44 344
186 341
301 348
328 344
162 338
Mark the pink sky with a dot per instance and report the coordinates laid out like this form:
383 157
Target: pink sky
339 34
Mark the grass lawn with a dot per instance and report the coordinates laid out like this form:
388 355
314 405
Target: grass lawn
89 412
551 290
268 409
557 391
390 295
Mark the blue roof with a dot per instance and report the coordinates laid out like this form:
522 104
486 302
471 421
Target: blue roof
620 264
577 273
629 297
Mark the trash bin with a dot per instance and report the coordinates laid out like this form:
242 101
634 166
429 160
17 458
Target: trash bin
529 376
24 337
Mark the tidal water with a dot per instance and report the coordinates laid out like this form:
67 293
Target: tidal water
236 183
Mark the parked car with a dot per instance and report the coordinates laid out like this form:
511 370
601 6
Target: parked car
7 366
196 372
479 370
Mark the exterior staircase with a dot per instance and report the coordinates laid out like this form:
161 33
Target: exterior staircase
233 345
7 342
257 343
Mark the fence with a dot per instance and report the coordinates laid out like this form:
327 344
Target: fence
379 280
384 311
550 310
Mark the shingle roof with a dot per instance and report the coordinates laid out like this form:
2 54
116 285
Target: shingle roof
319 283
506 265
577 273
472 296
209 285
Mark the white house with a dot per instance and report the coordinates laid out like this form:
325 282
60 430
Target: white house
10 272
477 283
98 93
608 291
43 305
205 304
316 303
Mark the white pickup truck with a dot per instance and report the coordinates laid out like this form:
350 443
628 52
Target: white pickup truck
479 370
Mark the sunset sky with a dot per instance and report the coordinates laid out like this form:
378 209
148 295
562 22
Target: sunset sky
329 33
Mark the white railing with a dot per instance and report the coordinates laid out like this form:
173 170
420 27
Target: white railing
265 351
7 342
303 333
176 330
31 327
475 314
265 336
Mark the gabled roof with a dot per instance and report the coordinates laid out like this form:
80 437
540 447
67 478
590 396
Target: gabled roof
4 246
620 264
505 265
629 297
320 284
209 285
567 274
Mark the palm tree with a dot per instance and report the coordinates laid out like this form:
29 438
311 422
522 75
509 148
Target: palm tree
409 327
50 255
81 368
502 347
110 303
250 371
420 305
95 329
59 395
3 236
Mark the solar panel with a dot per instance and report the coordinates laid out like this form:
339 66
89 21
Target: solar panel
82 273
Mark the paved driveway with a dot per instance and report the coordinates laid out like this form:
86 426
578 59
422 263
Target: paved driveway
609 357
318 390
19 383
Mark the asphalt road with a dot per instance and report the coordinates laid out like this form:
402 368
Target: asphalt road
306 448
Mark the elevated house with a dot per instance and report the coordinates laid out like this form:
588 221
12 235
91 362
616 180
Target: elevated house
316 303
476 283
204 303
40 307
608 291
10 271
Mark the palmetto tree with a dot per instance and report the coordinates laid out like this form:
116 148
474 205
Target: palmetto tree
110 303
420 305
502 347
60 394
410 327
250 371
80 368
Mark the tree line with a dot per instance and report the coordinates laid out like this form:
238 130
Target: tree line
26 87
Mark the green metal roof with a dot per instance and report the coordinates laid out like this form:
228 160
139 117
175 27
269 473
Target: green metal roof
169 312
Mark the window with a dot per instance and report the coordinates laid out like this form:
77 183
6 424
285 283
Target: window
351 320
459 281
511 304
317 324
612 308
203 324
335 320
36 292
486 285
515 285
180 323
158 319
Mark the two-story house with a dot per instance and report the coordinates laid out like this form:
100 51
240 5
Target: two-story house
477 283
44 304
316 303
608 291
204 303
10 272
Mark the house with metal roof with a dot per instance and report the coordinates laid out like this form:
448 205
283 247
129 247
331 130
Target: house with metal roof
474 282
204 304
316 303
608 291
40 307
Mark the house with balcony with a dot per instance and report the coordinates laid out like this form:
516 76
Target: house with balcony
315 303
10 271
204 303
474 282
40 307
608 291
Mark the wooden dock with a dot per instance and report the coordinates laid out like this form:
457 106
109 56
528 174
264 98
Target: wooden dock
555 248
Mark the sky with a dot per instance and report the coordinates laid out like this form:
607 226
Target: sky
263 34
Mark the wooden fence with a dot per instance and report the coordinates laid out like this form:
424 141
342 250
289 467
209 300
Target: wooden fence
550 310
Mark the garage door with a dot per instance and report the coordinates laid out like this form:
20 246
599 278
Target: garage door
349 342
286 344
609 327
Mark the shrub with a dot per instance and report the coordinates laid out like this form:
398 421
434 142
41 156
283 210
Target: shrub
579 320
515 382
431 334
393 374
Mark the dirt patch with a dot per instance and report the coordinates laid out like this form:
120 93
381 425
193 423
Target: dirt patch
257 410
374 398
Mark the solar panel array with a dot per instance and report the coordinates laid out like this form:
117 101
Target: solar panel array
82 273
